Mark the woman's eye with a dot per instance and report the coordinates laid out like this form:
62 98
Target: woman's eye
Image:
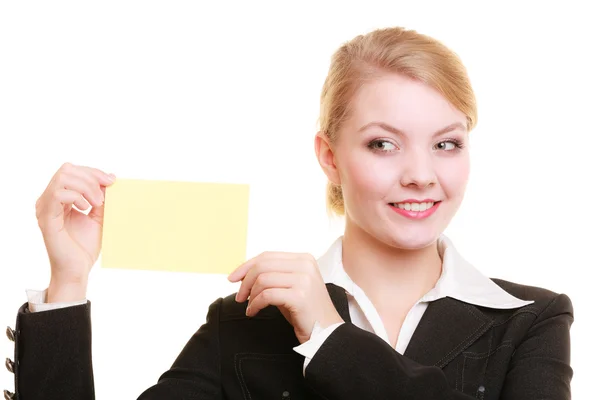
446 146
382 145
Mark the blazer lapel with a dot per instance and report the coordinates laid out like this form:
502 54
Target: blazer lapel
339 300
446 329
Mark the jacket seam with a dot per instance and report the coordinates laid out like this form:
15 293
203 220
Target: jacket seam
469 339
516 315
479 356
536 321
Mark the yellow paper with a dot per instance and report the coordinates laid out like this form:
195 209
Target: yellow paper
175 226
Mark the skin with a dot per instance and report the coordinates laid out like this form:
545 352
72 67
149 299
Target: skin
399 143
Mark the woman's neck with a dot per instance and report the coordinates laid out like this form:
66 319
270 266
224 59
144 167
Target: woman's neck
383 271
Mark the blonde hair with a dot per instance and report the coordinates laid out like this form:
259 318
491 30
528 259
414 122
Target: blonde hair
390 50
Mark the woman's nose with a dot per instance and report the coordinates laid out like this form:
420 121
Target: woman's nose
417 170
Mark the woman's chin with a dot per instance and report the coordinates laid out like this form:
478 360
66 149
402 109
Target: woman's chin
407 240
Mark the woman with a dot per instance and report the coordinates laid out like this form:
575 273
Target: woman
390 311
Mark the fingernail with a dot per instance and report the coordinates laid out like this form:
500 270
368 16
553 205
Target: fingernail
247 309
111 177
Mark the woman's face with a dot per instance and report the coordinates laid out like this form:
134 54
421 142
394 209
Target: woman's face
402 160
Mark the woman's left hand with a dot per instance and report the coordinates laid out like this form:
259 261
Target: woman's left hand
290 281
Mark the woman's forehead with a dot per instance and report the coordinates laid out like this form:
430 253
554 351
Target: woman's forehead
402 103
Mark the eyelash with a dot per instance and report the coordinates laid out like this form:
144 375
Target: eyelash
459 144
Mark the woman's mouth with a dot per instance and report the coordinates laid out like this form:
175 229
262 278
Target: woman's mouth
415 209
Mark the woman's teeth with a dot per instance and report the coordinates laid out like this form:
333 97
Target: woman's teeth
414 206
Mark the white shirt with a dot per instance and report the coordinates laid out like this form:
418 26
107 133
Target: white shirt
459 280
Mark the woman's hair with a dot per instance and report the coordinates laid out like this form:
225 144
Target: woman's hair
384 51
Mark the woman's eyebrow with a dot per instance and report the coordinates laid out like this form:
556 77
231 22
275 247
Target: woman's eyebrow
454 126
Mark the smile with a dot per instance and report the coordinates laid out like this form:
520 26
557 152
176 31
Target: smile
416 210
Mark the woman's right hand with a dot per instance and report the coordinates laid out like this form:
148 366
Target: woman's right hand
73 238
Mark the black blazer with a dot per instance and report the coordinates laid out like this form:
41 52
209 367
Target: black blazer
458 351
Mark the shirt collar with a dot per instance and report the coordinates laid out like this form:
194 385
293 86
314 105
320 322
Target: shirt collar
459 279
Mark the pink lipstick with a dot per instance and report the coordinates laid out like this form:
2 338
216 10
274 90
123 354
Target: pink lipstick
430 207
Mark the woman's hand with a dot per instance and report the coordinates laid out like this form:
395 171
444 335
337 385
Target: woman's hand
72 238
291 282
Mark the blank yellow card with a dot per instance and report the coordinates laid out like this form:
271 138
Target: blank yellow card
175 226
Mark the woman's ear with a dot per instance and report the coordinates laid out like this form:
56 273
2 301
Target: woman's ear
326 158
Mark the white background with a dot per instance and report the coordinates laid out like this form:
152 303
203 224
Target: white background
230 93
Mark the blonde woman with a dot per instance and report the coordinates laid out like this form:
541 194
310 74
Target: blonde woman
390 311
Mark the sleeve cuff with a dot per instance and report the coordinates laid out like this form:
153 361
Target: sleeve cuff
318 336
37 301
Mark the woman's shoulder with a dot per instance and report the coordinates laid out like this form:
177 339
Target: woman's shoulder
544 300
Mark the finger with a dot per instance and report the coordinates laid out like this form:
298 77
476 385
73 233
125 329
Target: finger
269 280
81 203
267 265
243 269
60 199
271 297
94 176
102 177
86 186
91 176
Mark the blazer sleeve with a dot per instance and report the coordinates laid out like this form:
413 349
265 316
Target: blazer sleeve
53 358
540 367
354 363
